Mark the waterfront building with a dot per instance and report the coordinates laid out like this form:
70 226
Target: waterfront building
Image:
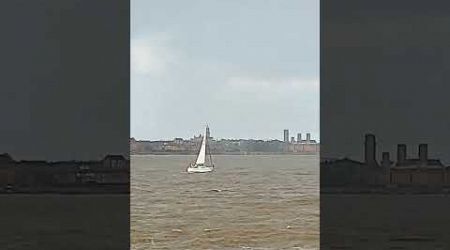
419 171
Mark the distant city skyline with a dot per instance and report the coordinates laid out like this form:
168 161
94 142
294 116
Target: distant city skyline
280 138
249 69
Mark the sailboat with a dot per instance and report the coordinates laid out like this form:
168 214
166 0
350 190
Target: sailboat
200 165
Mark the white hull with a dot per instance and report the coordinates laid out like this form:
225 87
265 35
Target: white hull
199 169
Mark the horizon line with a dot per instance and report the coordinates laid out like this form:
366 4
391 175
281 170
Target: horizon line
173 138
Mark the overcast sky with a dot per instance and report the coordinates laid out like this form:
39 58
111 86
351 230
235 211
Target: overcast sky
248 68
64 70
386 71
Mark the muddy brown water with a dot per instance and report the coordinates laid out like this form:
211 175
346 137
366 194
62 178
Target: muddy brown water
248 202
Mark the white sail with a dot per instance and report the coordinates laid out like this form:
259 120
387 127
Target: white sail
202 154
199 166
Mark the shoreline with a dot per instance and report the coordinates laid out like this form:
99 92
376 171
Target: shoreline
72 190
227 153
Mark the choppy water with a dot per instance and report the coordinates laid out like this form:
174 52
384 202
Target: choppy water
249 202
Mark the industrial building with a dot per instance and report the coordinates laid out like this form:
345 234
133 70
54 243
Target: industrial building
419 171
413 173
351 173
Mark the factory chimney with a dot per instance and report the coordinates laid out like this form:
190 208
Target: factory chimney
423 153
299 137
370 150
401 154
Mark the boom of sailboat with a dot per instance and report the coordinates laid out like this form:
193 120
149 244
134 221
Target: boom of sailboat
201 165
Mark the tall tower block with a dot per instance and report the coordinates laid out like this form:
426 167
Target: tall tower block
286 135
208 134
369 150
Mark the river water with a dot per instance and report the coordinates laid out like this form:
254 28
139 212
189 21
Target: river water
248 202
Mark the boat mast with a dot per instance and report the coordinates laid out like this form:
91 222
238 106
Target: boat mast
207 146
210 156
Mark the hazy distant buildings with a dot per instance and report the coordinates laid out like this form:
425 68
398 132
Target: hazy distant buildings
208 133
178 140
286 135
299 138
227 146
